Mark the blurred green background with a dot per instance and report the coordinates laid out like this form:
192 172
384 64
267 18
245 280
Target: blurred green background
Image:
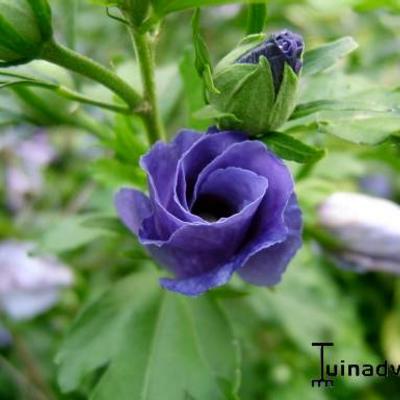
316 301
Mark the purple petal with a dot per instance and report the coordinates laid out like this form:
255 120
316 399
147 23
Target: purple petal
254 156
200 284
132 207
200 155
161 162
195 249
233 187
265 268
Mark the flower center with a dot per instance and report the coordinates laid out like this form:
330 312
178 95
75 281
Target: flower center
212 208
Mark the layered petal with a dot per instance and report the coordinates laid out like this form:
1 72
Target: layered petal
196 249
254 156
265 267
199 156
217 204
133 208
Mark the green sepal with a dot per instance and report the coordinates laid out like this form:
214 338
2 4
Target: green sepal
25 26
286 99
208 80
209 113
203 62
246 44
247 92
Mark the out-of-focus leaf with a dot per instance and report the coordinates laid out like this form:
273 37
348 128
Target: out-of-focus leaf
305 109
361 127
325 56
106 222
257 15
163 7
311 308
202 60
151 344
193 89
114 173
289 148
68 233
391 337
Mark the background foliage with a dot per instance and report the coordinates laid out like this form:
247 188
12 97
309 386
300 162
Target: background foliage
240 342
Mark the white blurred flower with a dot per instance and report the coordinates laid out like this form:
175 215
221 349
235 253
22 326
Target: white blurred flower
29 285
367 227
25 159
227 12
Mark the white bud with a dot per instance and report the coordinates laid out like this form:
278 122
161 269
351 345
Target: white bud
367 227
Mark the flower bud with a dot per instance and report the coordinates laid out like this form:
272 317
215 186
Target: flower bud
258 83
368 229
25 26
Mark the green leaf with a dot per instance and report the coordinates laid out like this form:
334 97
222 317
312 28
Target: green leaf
67 234
325 56
309 306
305 109
202 61
193 89
202 55
257 15
106 222
364 129
114 173
151 344
360 126
289 148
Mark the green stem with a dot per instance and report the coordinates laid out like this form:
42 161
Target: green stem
145 56
64 57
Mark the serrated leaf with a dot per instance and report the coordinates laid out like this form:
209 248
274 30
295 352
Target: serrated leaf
289 148
325 56
152 345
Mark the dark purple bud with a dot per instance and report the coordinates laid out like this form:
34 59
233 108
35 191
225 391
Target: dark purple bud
280 48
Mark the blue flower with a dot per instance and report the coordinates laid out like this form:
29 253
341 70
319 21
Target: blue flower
218 203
